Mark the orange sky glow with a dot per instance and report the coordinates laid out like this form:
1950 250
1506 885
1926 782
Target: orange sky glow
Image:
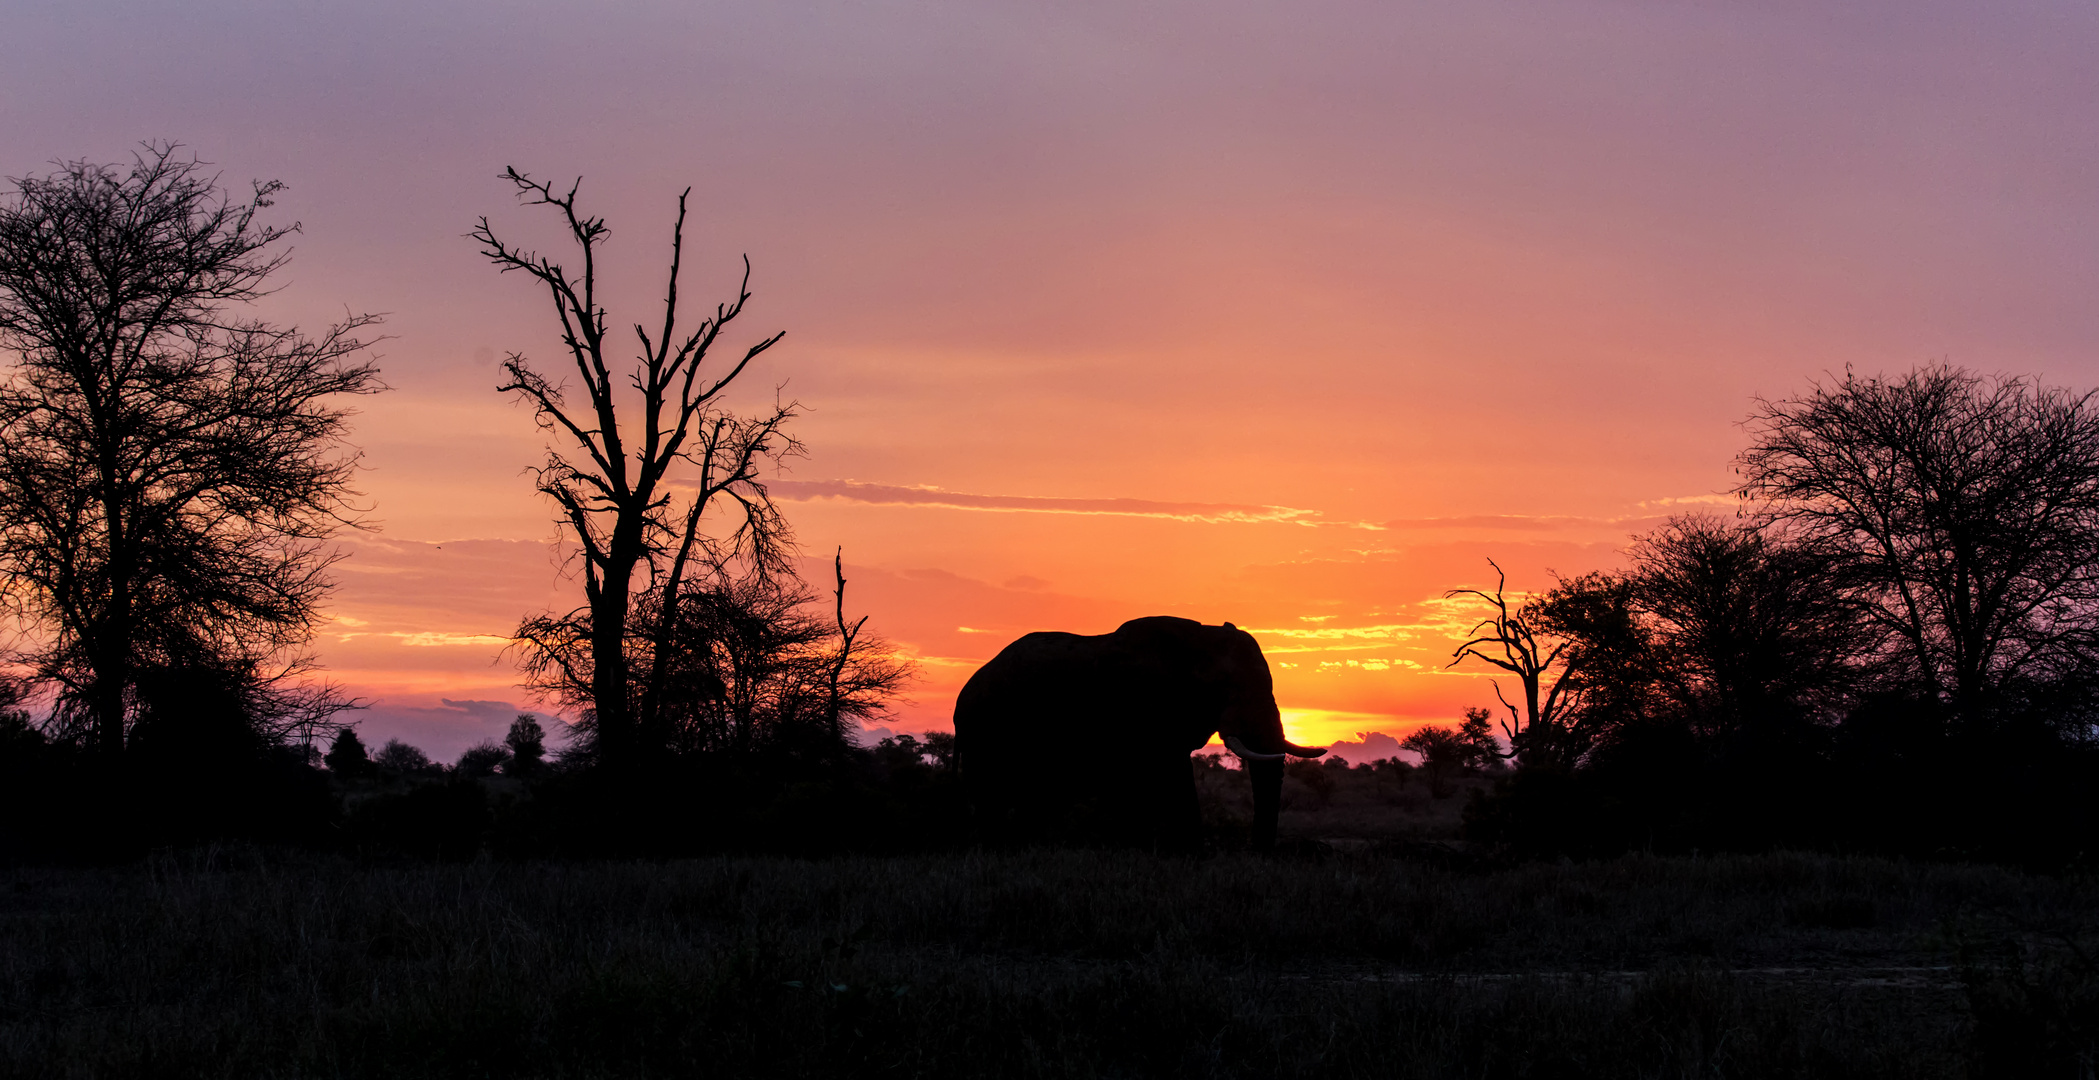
1291 315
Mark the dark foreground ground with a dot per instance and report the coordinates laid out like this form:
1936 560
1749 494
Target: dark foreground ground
1048 963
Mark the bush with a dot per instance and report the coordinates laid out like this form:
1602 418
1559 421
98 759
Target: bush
443 819
399 758
526 743
347 758
482 761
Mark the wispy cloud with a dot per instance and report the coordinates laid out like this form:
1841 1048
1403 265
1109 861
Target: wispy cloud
1325 647
929 660
1656 511
1522 522
1694 500
1384 632
1440 619
429 638
919 495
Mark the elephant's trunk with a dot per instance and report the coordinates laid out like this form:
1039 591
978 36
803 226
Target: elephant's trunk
1266 773
1252 727
1267 776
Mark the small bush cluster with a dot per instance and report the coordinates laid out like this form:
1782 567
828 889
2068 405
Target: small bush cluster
61 801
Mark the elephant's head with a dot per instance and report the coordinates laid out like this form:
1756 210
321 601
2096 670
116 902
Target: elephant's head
1251 726
1238 696
1249 723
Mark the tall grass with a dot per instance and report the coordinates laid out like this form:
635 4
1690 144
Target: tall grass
1049 963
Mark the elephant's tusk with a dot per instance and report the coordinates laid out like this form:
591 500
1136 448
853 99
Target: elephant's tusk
1232 743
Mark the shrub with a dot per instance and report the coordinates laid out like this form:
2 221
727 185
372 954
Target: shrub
527 744
400 758
482 760
347 757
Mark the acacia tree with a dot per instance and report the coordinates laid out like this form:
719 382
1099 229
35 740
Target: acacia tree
1963 509
169 471
1747 625
1445 751
636 528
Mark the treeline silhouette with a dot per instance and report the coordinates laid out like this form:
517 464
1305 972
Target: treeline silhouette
172 471
64 801
1893 646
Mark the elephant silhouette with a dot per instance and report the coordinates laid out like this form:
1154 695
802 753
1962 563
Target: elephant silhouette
1078 737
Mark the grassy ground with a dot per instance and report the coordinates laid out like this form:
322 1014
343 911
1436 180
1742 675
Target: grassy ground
1329 801
1048 963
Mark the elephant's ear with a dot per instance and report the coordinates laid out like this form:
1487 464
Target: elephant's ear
1229 626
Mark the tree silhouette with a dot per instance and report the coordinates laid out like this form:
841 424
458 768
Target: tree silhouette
1445 752
1547 729
347 756
940 746
1580 654
745 666
169 471
1747 626
483 759
400 758
1963 509
613 485
526 742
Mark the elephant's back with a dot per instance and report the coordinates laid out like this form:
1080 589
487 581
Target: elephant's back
1027 719
1050 685
1040 671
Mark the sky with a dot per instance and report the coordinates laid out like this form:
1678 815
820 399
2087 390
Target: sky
1292 315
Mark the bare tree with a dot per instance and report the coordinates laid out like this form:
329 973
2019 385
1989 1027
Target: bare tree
848 637
1543 728
169 471
748 667
1579 653
613 485
1963 509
